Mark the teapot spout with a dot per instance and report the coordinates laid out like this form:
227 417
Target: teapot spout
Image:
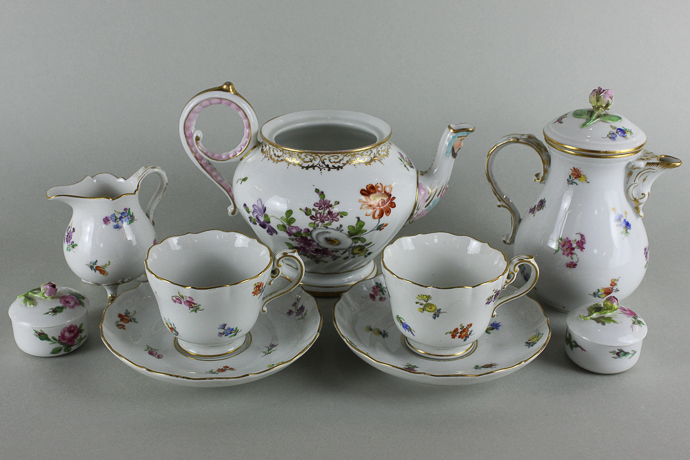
433 183
641 174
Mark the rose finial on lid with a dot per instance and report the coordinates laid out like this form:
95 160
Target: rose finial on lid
601 100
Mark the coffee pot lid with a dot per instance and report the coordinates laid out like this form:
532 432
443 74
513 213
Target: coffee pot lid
595 132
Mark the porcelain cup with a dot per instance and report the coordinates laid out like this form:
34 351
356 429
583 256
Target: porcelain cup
444 289
211 286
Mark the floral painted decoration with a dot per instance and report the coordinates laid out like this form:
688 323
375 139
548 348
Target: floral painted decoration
534 339
378 292
258 288
485 366
541 204
153 352
576 176
187 301
601 100
171 327
493 326
560 119
646 256
124 319
406 327
69 241
228 332
405 161
461 332
599 312
67 301
620 353
70 337
100 269
376 331
427 306
604 292
299 312
622 222
220 370
636 319
493 297
568 247
321 240
456 145
572 344
411 368
615 133
269 349
120 218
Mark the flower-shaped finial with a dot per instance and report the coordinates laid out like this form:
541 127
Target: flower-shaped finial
601 100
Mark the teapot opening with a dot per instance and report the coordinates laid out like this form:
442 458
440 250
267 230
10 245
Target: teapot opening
325 138
326 131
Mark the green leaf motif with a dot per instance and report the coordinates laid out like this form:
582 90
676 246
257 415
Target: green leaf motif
55 350
582 113
610 118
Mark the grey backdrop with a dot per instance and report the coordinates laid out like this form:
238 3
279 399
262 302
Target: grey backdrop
89 87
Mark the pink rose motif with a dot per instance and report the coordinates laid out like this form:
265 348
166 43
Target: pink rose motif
69 301
49 290
69 335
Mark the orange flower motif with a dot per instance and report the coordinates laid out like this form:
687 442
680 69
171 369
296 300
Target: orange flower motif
258 288
123 318
378 200
575 173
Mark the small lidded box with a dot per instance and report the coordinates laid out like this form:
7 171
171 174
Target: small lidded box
604 337
49 321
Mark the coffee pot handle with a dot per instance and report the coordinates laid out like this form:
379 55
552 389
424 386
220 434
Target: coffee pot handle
503 200
513 270
191 137
277 271
153 202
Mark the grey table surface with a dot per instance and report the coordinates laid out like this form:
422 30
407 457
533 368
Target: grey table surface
94 86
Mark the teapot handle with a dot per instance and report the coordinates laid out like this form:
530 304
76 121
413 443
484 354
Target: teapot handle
153 202
191 137
504 200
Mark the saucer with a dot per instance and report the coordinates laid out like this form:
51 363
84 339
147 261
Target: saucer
133 330
515 337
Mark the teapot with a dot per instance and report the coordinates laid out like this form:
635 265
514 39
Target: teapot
327 183
109 233
585 228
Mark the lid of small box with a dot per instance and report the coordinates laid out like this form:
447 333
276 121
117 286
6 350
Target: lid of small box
607 323
48 305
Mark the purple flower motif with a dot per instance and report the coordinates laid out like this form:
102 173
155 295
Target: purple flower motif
571 264
580 244
106 220
323 204
259 214
49 290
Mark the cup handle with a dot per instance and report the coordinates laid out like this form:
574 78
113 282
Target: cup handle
277 271
153 202
513 270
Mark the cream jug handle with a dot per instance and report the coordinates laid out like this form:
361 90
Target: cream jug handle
139 176
277 271
191 137
513 270
503 200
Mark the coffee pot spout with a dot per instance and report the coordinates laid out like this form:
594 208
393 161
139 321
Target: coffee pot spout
433 183
641 174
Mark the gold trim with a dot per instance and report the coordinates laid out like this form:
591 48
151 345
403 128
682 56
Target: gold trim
136 190
469 349
461 130
592 153
146 261
364 354
325 160
383 262
270 369
220 356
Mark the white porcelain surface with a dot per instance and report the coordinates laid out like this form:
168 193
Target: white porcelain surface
211 286
604 341
109 233
585 227
133 331
444 289
49 320
518 334
327 183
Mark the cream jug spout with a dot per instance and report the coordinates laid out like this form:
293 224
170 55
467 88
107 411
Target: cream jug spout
641 174
433 183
